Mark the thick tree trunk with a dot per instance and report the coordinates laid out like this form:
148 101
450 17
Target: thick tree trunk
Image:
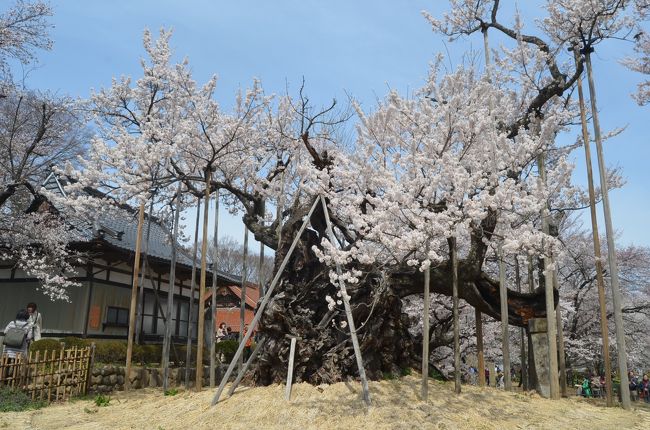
324 351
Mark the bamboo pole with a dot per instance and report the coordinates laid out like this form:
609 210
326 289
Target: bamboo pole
348 310
480 355
213 307
190 323
454 287
170 292
600 281
425 335
523 357
263 304
134 296
242 304
200 341
611 246
505 333
550 299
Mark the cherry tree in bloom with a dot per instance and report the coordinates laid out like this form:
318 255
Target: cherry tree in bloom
454 159
37 130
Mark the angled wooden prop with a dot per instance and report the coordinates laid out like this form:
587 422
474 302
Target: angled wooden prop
260 310
348 311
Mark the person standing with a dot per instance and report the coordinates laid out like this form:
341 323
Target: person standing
18 334
36 320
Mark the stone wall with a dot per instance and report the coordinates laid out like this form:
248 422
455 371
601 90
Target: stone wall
109 378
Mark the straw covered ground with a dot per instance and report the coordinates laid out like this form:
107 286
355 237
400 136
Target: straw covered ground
396 405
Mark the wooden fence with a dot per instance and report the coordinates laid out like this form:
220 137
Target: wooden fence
51 376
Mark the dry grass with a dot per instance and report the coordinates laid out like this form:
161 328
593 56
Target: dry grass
396 405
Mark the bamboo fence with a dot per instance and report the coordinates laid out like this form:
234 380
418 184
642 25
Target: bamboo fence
52 376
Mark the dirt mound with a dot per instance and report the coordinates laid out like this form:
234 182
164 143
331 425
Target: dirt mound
396 405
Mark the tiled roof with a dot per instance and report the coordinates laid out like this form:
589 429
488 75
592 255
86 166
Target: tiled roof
121 232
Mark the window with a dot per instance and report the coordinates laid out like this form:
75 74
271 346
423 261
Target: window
117 317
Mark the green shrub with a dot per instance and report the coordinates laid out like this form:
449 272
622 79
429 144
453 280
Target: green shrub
102 400
71 342
112 351
17 401
171 392
45 345
227 348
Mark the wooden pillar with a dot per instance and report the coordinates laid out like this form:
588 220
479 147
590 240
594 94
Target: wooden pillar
134 297
167 340
90 276
242 307
480 355
190 322
454 287
560 341
523 357
550 299
200 341
213 307
425 336
505 333
604 330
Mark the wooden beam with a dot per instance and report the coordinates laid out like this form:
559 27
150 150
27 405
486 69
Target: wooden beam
134 296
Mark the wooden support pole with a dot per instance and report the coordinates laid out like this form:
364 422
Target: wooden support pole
425 335
611 246
600 281
348 310
213 307
292 352
139 320
523 357
240 376
454 287
134 297
242 304
560 341
190 323
505 332
200 341
480 355
170 292
554 382
265 300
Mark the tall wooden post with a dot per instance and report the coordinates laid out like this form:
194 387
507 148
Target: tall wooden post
611 246
191 317
215 256
454 287
139 319
242 307
170 292
200 341
600 281
560 340
425 335
134 297
554 385
505 333
480 355
523 357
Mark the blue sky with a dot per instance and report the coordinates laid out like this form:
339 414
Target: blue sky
360 47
